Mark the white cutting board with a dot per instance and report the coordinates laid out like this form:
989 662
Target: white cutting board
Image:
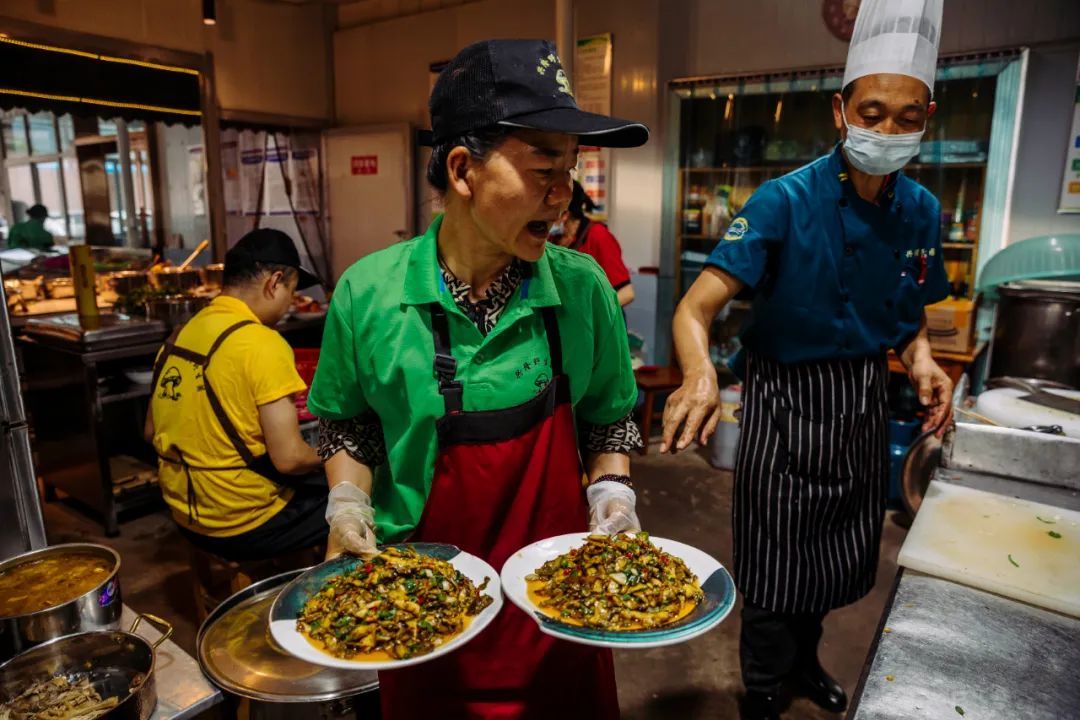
967 536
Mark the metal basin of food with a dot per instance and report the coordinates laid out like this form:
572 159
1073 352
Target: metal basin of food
176 280
238 654
59 288
174 310
214 275
115 664
127 281
55 611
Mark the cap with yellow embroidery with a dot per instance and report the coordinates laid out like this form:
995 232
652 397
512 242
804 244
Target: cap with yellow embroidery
518 83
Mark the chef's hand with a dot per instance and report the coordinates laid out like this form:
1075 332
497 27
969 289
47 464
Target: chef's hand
611 508
696 401
935 391
352 522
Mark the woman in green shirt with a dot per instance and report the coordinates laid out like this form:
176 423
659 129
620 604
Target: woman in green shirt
465 373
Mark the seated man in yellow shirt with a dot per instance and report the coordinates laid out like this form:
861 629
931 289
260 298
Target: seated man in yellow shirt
234 468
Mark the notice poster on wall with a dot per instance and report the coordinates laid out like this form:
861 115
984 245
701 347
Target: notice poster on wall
1070 182
230 171
251 180
592 90
275 195
305 183
592 174
196 180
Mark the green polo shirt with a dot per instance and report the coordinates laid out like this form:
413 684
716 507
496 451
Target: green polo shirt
378 354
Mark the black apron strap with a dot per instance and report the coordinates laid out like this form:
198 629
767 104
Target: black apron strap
445 364
551 327
215 403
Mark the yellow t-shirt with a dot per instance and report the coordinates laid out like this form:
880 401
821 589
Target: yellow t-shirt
254 366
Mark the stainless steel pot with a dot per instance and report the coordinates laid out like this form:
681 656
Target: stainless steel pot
1037 332
174 310
116 663
99 608
59 288
238 654
126 281
177 280
214 275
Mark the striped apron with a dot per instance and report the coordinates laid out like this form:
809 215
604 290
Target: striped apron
811 477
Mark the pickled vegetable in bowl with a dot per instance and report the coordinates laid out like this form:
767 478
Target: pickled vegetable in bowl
619 582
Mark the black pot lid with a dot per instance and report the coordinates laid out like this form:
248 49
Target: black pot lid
237 652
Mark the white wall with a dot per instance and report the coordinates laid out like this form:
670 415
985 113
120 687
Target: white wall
1045 134
269 57
381 69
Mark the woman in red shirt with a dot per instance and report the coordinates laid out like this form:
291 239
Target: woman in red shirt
575 231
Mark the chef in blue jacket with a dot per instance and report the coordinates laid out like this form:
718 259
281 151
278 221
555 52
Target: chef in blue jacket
839 257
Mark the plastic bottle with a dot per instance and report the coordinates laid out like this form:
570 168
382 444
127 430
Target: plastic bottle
725 441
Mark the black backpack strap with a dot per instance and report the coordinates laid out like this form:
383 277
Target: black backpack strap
445 364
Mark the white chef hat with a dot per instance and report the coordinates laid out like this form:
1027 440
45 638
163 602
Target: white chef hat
895 36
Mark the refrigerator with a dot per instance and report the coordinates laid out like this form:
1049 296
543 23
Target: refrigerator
22 527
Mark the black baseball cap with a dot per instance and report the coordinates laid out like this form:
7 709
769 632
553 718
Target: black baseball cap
266 245
518 83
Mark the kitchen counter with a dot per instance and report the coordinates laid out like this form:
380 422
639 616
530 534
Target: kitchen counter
947 650
182 689
943 646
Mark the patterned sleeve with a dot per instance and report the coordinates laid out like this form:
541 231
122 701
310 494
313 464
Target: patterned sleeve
621 436
361 437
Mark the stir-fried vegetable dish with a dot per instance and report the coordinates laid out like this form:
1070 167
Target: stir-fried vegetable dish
58 699
617 582
401 604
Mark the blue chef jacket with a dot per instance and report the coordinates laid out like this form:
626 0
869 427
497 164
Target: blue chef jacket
833 276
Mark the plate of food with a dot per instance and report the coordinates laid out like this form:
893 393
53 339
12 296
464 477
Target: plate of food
407 605
619 591
305 307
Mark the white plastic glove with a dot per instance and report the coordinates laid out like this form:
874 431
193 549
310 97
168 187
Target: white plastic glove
352 521
611 508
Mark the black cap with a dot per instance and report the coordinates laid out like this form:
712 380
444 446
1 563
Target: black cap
518 83
269 246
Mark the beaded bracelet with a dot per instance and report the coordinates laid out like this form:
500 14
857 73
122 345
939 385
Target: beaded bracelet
622 479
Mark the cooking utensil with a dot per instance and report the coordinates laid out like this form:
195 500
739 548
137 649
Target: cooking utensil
97 608
201 246
922 458
715 581
1016 548
125 282
1010 407
60 288
176 280
116 663
975 415
294 596
237 654
214 275
174 310
1037 331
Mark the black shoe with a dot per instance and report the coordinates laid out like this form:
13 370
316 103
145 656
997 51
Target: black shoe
759 706
817 685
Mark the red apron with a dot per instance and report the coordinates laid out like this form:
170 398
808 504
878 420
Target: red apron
504 479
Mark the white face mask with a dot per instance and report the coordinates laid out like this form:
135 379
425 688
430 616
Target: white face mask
876 153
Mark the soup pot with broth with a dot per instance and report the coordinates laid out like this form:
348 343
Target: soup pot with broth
56 591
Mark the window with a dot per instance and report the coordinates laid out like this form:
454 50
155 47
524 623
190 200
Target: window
15 142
